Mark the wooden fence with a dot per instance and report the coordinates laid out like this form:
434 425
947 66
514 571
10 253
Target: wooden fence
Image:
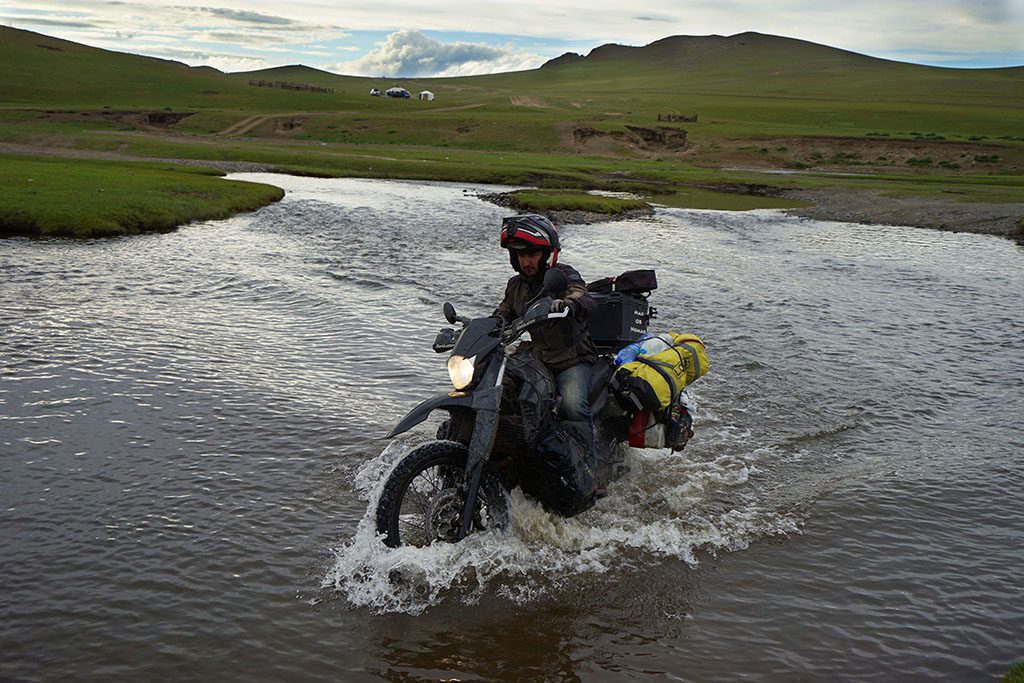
692 118
290 86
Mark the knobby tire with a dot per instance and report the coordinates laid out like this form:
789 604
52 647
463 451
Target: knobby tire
422 499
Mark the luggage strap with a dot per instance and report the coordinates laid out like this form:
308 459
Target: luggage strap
693 354
659 367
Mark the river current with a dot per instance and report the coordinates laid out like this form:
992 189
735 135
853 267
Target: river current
191 431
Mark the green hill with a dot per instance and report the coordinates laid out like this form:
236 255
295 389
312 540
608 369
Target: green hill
678 71
774 85
744 85
749 83
761 104
763 65
43 71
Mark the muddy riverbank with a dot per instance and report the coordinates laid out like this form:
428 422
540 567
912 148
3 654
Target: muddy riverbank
873 207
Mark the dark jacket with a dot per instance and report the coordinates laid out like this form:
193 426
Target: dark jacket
559 344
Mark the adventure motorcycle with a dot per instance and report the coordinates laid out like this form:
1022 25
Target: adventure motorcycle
503 431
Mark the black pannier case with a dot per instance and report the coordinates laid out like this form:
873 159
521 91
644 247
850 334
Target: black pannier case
618 320
622 312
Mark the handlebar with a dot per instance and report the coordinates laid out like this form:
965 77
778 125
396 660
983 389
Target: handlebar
447 338
518 327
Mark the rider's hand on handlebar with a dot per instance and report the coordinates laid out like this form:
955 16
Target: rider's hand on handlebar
559 305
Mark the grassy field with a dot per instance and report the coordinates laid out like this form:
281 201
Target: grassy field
84 198
833 119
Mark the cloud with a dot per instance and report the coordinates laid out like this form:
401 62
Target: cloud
987 11
512 61
39 21
411 53
258 39
223 61
234 37
243 16
952 58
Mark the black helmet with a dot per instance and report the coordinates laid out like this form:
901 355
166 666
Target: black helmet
529 231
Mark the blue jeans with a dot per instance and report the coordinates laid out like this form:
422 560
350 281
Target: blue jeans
574 387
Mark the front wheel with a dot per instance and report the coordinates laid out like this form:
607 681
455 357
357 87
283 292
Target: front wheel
422 499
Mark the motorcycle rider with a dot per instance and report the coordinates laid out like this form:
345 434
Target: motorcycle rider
563 346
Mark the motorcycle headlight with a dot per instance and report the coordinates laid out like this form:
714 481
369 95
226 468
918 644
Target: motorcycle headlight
461 370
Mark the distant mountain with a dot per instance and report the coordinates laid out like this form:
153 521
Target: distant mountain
292 72
562 60
749 64
695 51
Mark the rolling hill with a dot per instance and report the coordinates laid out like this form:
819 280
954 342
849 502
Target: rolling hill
43 70
757 104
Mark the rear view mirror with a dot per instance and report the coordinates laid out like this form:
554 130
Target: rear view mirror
449 312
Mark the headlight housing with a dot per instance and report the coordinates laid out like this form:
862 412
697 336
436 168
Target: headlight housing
461 370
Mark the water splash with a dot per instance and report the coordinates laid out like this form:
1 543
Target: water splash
668 505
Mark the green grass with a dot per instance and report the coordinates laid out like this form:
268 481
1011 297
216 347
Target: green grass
750 85
49 197
432 163
760 101
543 201
1015 674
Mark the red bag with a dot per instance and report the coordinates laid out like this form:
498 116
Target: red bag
644 432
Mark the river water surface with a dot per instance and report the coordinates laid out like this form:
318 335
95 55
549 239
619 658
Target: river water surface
191 423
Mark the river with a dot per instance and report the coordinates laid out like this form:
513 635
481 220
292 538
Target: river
191 427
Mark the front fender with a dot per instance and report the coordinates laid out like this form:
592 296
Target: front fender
455 399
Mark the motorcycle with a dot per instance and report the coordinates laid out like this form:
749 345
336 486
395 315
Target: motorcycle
502 415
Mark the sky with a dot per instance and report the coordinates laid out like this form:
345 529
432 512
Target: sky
392 38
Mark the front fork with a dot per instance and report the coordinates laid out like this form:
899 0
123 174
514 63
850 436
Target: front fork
486 404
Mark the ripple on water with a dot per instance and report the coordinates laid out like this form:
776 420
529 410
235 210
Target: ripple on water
184 415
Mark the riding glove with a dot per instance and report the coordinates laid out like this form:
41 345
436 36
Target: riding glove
559 305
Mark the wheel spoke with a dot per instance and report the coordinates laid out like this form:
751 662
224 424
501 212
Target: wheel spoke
422 501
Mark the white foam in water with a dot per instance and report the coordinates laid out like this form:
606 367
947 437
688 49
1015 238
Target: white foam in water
662 507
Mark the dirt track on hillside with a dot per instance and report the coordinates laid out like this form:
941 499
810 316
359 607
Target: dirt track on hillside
456 108
245 125
523 101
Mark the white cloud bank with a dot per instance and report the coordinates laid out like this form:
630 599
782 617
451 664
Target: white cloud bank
411 53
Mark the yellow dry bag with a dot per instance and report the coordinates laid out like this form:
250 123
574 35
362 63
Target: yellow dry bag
654 382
